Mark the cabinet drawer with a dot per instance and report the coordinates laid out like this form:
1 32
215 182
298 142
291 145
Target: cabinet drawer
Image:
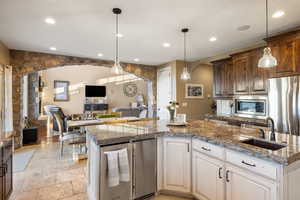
253 164
209 149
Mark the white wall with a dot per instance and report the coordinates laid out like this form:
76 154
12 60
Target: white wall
80 75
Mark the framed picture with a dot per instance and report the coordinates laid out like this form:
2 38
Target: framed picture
61 90
194 91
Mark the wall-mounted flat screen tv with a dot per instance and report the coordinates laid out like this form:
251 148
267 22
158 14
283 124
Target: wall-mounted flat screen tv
95 91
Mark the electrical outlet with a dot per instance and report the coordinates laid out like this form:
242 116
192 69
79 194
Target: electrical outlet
184 104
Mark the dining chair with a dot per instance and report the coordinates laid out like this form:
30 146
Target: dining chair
72 137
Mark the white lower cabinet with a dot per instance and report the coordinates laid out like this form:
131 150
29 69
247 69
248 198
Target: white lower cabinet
232 177
177 164
211 172
208 177
245 185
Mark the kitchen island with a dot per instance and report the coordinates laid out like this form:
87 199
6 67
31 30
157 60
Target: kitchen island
207 160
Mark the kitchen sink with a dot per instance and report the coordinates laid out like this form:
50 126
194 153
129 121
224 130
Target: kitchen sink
264 144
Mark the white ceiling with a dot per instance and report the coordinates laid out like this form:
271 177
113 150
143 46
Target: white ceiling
86 27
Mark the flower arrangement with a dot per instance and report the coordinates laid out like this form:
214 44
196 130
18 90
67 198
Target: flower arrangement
172 105
172 109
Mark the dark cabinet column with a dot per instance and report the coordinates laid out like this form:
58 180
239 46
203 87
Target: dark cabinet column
6 179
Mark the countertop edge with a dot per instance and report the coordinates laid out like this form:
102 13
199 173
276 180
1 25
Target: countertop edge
231 146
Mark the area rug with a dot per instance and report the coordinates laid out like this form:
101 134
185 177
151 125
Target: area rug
21 160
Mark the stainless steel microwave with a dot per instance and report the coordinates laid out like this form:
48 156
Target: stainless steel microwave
251 106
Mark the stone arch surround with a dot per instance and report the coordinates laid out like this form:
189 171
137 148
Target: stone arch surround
25 62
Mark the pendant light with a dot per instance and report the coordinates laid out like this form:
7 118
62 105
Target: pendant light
185 75
267 60
117 69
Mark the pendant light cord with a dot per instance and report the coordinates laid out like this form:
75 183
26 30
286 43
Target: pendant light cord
117 39
267 19
184 46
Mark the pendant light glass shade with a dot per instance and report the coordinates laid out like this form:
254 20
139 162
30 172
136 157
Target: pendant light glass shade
267 60
117 68
185 75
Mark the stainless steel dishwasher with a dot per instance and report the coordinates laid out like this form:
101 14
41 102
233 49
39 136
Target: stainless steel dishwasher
144 169
124 190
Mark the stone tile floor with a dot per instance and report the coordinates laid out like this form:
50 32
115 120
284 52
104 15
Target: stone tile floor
49 178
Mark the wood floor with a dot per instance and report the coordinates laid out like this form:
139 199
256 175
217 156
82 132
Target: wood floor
49 178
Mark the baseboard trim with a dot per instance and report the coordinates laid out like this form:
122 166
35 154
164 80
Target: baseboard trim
177 194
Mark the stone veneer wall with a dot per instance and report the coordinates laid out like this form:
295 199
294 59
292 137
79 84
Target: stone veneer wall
25 62
33 105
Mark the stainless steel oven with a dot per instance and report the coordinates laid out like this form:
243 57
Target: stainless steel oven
251 106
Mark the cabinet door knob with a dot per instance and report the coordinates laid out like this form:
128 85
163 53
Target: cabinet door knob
220 171
227 176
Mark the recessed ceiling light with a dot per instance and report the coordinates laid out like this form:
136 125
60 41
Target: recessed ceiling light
52 48
50 20
119 35
136 60
243 28
166 44
99 54
212 39
278 14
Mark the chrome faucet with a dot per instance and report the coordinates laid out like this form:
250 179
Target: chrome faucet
272 136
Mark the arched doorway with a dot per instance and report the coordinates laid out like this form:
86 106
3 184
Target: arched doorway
25 62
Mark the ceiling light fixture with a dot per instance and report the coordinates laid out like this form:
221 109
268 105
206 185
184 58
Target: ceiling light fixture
50 20
136 60
212 39
278 14
117 69
120 35
267 60
185 75
99 54
166 44
52 48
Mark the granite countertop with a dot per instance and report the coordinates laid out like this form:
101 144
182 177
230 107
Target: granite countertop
235 120
90 122
228 136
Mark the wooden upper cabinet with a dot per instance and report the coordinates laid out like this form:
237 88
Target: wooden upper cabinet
229 78
240 74
259 76
286 49
241 70
223 78
218 78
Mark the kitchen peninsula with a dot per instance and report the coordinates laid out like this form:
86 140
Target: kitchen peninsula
233 169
